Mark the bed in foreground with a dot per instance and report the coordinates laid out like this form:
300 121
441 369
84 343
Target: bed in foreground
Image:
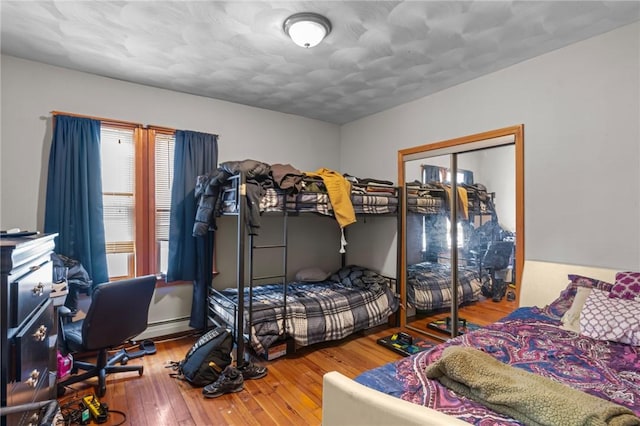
536 341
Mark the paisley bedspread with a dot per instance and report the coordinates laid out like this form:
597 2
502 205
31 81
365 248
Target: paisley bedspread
525 339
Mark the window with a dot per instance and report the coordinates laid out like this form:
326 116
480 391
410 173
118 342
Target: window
137 174
432 173
460 240
118 182
459 177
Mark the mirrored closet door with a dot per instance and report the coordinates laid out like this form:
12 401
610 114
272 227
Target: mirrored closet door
462 222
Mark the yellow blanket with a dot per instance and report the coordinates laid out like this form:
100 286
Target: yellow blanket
339 190
527 397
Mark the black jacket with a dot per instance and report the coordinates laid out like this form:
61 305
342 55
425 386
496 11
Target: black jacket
207 192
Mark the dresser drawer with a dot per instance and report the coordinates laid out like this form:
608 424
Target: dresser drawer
20 393
28 291
32 348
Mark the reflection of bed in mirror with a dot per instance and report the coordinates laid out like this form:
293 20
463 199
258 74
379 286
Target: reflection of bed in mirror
428 276
455 189
429 285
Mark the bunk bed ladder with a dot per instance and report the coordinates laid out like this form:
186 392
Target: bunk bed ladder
283 276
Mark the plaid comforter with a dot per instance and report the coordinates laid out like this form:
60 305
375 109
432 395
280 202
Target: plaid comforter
315 312
425 204
318 202
429 285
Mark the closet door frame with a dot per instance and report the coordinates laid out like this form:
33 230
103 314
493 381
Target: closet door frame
513 135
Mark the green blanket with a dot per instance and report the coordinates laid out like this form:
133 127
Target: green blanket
527 397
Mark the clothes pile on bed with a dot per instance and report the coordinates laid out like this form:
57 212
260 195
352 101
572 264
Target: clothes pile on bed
601 360
433 198
281 186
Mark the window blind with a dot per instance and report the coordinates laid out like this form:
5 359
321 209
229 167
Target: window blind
118 180
164 149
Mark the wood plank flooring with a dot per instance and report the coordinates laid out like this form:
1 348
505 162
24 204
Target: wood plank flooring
482 313
290 394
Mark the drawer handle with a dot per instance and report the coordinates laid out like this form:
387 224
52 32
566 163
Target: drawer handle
33 380
34 268
38 290
40 334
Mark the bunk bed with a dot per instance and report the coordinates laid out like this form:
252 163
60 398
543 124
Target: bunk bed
265 311
548 372
429 280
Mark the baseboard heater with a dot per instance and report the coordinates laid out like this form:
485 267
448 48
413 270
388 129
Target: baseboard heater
165 328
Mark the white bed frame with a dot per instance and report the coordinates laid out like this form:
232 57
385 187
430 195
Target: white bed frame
346 402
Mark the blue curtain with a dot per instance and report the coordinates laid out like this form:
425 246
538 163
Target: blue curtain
431 174
435 174
468 177
190 258
73 206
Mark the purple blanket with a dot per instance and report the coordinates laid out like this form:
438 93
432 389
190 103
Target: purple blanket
528 340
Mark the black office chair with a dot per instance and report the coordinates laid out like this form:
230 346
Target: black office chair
118 312
496 258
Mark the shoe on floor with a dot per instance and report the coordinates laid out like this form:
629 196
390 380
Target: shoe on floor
230 380
252 371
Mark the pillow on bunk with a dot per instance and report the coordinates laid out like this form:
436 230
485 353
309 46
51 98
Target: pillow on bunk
563 303
616 320
312 275
353 276
571 318
627 285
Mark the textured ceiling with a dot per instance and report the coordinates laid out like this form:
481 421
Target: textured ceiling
379 54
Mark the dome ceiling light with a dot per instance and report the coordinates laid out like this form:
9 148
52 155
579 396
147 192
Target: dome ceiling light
307 29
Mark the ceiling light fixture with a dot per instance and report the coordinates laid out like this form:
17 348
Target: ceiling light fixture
307 29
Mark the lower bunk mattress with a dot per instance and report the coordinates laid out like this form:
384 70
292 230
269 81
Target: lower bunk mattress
527 339
315 312
429 285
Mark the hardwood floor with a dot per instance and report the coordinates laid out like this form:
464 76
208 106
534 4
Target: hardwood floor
482 313
290 394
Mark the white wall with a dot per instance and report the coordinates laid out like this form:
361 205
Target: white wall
580 108
30 91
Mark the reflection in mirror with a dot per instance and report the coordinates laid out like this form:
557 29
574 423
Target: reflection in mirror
475 188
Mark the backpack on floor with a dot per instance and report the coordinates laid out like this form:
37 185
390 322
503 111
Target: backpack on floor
206 359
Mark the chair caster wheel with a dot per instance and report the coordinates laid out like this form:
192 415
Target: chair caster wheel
124 360
140 372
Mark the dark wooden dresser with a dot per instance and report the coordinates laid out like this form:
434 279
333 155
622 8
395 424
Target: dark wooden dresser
28 335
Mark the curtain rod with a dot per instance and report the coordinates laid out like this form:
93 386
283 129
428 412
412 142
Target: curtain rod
113 121
169 129
108 120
